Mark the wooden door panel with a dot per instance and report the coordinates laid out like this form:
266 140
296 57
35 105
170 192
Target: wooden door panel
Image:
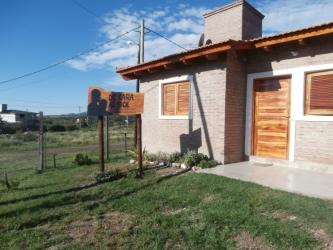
271 117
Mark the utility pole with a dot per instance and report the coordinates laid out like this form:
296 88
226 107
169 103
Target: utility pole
138 117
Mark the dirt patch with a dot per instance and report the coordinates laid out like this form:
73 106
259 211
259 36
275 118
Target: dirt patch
208 198
170 211
281 215
245 240
116 222
324 238
83 230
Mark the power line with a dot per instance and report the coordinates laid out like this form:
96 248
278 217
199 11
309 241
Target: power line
92 13
86 9
156 33
66 60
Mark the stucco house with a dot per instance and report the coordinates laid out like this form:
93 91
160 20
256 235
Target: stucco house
28 120
243 96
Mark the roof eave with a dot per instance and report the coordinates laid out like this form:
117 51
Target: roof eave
134 72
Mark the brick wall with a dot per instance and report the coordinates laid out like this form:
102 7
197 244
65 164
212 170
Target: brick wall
205 131
237 21
314 141
235 108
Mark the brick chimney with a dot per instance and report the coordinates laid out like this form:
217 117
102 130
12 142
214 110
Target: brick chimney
236 21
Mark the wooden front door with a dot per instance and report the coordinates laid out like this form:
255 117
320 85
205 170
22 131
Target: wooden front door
271 106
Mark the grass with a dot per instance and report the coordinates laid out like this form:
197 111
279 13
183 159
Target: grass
64 208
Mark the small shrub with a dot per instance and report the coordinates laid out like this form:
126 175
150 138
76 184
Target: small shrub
175 157
82 159
71 128
193 158
151 157
108 176
57 128
208 164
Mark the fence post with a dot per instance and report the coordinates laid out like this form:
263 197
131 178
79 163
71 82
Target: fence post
125 142
101 141
107 138
139 143
6 180
41 151
54 161
44 149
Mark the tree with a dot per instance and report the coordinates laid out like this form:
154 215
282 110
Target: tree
5 128
2 126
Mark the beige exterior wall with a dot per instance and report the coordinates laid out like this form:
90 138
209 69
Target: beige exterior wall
314 141
205 131
313 137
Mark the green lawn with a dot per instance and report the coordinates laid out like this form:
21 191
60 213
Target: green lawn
64 208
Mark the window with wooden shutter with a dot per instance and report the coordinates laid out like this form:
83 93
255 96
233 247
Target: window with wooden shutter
176 98
319 93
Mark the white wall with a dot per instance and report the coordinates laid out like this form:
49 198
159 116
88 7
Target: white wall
11 118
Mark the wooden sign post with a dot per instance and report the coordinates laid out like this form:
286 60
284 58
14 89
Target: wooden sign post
104 103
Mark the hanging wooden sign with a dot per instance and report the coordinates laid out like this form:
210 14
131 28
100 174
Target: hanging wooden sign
102 102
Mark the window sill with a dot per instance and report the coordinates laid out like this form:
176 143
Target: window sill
174 117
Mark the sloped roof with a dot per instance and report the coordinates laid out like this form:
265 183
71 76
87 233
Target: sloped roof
211 51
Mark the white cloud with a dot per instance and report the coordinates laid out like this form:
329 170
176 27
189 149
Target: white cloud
185 25
286 15
182 26
116 83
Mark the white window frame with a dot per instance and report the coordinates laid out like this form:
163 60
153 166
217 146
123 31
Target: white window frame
176 79
297 102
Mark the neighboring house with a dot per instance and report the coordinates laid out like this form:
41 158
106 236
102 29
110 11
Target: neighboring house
242 96
28 120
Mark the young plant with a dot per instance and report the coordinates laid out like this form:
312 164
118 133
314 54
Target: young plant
82 159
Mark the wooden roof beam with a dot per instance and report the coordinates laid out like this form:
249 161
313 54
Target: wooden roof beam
212 57
153 70
168 66
187 61
267 49
301 42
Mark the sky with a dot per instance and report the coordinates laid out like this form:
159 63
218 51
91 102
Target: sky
38 33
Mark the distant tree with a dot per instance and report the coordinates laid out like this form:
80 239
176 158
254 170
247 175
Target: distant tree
57 128
2 126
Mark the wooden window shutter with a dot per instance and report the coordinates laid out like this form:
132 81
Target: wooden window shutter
183 98
176 98
169 96
319 93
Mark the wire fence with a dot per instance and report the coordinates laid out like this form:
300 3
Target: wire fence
19 153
